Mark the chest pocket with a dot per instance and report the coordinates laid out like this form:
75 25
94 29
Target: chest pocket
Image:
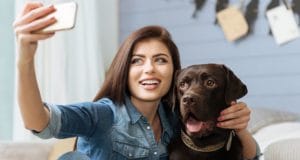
129 145
123 150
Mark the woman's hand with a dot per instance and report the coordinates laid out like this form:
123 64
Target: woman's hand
235 117
26 24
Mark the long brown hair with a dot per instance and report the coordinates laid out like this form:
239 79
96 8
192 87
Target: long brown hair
115 84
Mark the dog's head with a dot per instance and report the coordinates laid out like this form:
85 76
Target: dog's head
203 92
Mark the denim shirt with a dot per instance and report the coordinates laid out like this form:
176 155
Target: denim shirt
108 131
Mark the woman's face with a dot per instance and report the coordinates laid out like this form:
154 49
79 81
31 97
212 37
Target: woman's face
150 71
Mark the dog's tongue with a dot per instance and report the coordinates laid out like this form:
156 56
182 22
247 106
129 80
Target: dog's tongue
193 125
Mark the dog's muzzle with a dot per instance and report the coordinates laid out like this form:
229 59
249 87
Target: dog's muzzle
201 128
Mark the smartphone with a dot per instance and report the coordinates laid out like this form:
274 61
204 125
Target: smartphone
65 15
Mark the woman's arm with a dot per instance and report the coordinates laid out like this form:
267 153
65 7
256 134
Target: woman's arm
237 117
34 114
248 143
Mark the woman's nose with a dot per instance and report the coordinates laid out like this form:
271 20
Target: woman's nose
149 67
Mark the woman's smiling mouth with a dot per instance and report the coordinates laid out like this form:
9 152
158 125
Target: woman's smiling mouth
150 84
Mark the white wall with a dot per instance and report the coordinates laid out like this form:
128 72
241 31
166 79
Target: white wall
108 17
71 66
6 68
271 72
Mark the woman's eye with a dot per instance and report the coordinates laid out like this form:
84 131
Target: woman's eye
210 83
161 60
136 61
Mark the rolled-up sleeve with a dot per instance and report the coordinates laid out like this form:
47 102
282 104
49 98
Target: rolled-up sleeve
80 119
54 124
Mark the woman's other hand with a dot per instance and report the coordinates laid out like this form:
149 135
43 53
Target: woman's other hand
235 117
31 19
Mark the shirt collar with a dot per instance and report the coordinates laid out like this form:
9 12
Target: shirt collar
135 115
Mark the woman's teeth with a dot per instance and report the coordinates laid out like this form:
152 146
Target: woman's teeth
149 82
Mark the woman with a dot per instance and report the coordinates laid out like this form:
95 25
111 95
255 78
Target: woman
130 116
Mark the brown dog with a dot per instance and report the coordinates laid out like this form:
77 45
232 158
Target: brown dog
203 91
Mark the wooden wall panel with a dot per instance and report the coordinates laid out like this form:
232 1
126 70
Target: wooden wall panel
271 72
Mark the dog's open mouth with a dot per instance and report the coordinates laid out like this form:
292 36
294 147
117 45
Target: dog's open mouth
195 126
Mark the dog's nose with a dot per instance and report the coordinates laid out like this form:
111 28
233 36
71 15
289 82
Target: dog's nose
189 100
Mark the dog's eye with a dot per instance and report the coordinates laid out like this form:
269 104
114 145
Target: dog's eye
183 85
210 83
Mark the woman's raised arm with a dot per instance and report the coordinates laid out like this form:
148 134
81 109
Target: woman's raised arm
34 114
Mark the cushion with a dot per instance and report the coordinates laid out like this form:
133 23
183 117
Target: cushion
60 147
283 150
24 150
276 132
261 117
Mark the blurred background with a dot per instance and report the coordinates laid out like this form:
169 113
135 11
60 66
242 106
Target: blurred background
71 66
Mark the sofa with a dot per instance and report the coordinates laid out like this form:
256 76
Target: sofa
276 132
42 150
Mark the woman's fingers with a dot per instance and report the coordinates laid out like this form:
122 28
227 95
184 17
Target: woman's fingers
238 123
34 37
236 116
35 25
33 15
235 113
30 6
33 18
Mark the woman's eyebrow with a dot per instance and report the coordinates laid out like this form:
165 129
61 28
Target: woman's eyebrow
156 55
137 55
161 54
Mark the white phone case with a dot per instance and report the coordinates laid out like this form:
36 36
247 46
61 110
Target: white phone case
65 15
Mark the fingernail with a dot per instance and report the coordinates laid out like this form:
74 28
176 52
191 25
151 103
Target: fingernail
220 118
52 7
53 19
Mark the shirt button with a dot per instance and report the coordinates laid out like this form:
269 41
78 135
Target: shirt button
148 127
155 153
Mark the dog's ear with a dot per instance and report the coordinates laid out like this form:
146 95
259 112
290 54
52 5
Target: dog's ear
234 88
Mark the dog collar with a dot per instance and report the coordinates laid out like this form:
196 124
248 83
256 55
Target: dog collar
211 148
